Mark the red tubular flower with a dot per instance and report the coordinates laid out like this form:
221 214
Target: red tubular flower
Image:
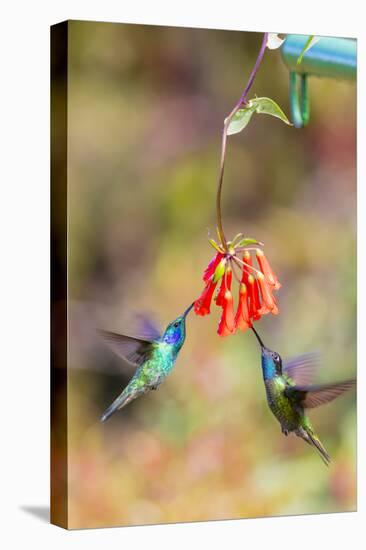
247 259
221 293
229 277
266 269
242 320
256 285
225 285
254 300
203 303
227 321
210 269
269 302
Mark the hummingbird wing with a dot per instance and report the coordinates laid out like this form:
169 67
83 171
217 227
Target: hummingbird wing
146 328
132 349
316 395
302 368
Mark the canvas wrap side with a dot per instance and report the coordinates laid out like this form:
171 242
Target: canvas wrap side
59 64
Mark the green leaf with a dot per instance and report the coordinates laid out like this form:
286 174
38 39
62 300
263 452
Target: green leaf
240 120
236 238
247 241
266 106
215 245
219 271
311 41
260 105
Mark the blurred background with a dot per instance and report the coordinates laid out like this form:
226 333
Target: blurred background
146 107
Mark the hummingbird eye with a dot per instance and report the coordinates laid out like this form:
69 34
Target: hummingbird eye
176 325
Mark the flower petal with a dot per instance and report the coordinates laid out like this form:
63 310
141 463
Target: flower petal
210 269
247 259
203 303
254 302
268 299
227 321
229 277
242 320
221 293
267 270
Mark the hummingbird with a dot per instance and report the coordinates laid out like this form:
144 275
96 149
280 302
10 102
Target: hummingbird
153 354
289 393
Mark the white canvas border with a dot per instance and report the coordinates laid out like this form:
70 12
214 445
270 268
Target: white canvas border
24 270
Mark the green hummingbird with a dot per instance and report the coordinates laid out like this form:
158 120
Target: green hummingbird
289 393
153 354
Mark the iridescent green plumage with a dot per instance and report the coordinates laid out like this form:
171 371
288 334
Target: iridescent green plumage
153 355
289 393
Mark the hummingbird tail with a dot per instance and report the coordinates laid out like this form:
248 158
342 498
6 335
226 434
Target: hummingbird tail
117 404
310 437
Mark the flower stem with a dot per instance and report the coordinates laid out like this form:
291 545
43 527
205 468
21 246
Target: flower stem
233 266
245 264
255 70
219 189
228 119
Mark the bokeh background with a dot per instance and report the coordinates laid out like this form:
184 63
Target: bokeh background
146 107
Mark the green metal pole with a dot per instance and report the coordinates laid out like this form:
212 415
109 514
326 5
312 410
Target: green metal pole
329 57
294 101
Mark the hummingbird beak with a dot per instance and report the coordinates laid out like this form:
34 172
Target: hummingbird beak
187 310
258 338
